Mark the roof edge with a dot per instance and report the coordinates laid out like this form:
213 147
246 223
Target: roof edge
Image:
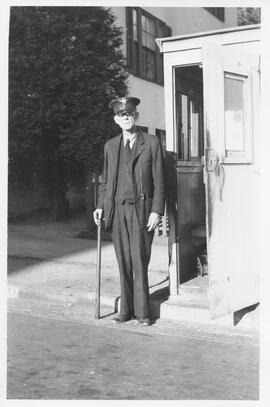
160 41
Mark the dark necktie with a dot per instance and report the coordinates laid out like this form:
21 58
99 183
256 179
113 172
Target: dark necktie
128 149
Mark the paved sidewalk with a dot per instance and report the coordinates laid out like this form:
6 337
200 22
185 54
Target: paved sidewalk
48 259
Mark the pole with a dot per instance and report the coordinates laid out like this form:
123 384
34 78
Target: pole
98 273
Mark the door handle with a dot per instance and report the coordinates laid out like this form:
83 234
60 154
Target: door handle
212 164
211 159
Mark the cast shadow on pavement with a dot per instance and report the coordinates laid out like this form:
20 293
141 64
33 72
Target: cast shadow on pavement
26 250
156 299
238 315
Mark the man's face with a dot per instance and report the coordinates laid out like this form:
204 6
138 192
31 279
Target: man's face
126 120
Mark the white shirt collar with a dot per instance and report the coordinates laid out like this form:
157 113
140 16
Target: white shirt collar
132 139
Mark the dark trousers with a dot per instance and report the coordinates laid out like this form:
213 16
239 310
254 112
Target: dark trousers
133 250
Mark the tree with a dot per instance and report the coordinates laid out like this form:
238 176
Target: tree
65 66
249 15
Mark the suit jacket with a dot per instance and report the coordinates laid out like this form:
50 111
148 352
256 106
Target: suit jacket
148 174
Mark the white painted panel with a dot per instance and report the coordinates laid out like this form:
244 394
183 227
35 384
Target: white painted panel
241 36
232 195
243 236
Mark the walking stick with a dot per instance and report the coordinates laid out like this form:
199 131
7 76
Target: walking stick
98 273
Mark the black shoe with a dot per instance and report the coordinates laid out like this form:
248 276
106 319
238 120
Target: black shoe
121 319
144 321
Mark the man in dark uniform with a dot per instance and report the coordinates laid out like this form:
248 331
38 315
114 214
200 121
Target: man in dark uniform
132 198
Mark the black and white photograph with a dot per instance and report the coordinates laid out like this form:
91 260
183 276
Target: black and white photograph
131 222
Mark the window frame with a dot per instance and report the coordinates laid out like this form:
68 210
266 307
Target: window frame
245 155
192 102
187 144
136 67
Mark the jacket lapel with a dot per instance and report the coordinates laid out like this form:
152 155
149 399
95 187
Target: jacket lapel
139 145
115 152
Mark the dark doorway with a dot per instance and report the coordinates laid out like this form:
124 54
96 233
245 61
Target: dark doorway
190 183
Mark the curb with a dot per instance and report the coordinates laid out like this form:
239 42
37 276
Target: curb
70 298
160 309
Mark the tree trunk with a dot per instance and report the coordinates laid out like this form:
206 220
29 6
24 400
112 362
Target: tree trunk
60 210
60 205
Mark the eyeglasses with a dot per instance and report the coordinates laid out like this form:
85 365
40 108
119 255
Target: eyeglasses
122 114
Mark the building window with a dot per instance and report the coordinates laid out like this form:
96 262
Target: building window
234 110
148 48
143 56
135 43
218 12
189 124
195 128
238 117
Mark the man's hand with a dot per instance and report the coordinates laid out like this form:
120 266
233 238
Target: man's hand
153 221
97 214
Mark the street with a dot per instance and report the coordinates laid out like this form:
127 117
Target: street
57 351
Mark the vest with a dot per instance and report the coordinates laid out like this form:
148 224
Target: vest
125 186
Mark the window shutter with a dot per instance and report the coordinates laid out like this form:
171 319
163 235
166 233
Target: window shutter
168 31
129 31
163 31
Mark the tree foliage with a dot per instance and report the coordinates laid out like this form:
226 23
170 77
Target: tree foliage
65 65
249 15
